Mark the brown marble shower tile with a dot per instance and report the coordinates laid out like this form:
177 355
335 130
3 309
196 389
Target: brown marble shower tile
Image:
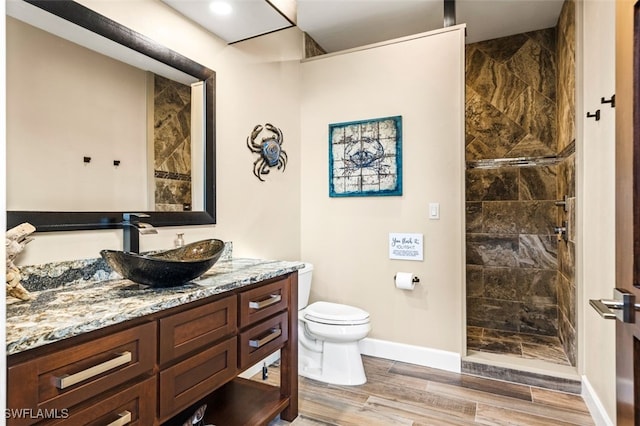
495 346
172 109
537 217
170 97
500 283
475 281
566 259
503 48
516 217
539 319
537 286
538 183
546 38
567 177
474 333
473 216
566 76
501 217
505 336
468 138
525 345
488 124
536 114
567 299
168 138
492 80
491 184
478 150
567 334
492 250
537 251
571 216
553 353
530 339
170 191
566 117
530 146
566 69
178 160
566 21
535 66
493 313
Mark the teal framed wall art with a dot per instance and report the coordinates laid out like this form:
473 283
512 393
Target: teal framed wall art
365 158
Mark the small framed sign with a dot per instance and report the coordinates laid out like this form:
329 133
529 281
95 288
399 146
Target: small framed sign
405 246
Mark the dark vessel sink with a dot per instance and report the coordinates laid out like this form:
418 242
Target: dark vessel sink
167 268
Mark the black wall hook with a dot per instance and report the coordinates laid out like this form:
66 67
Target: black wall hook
611 101
595 115
86 159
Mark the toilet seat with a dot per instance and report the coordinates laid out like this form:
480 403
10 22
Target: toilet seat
335 314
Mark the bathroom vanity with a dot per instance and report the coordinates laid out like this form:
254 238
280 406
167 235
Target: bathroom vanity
116 353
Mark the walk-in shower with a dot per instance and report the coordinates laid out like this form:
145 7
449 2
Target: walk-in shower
520 194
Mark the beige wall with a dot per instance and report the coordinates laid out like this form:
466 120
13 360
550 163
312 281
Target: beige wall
595 174
257 82
347 238
65 102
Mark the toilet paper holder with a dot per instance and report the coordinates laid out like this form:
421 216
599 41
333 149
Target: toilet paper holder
414 280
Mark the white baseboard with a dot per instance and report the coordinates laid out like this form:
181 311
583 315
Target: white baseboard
419 355
598 413
435 358
256 368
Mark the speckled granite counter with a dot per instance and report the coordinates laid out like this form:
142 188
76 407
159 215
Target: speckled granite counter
79 307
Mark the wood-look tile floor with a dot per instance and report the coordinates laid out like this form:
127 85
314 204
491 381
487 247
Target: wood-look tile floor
531 346
397 393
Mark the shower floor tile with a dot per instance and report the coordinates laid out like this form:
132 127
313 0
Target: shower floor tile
530 346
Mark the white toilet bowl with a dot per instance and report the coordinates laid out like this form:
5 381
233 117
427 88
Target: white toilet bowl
328 336
328 349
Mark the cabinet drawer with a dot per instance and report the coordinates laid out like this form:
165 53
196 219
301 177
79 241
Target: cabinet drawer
262 302
68 377
262 339
195 328
195 377
133 406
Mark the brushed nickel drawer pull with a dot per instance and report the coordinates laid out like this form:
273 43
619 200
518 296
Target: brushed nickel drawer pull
67 380
272 300
125 418
256 343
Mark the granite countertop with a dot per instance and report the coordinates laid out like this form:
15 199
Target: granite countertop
79 307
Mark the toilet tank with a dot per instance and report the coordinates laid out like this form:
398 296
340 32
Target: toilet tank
304 285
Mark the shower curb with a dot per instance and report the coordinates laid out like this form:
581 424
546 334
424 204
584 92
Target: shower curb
546 381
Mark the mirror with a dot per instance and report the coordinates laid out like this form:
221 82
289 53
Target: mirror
149 55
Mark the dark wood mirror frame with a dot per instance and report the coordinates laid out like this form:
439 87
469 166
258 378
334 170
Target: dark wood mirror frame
45 221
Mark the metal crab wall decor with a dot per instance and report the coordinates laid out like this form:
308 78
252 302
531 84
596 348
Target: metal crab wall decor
269 149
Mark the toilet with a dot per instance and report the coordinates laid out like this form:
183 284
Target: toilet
328 336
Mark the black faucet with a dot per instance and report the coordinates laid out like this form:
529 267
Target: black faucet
131 230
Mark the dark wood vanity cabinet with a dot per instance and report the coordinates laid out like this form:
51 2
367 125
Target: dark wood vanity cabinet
161 367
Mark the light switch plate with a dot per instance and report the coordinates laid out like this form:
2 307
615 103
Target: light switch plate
434 210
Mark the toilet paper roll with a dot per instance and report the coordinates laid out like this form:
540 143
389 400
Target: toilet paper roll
404 280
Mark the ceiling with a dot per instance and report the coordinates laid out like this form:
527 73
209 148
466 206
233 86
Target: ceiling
343 24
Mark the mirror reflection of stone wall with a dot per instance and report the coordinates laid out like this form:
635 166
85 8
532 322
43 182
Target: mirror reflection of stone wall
520 157
172 145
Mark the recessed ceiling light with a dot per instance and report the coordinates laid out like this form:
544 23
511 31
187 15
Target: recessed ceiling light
220 7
